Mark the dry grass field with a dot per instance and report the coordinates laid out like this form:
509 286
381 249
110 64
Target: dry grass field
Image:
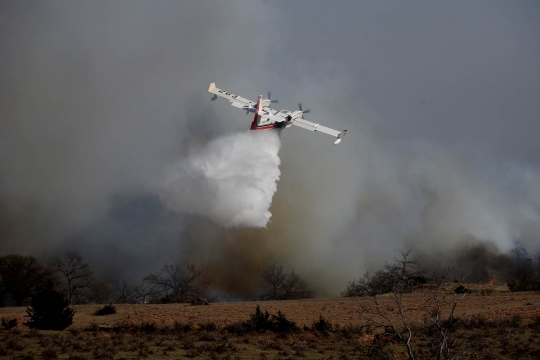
492 324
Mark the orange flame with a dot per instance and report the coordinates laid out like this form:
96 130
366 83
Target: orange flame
490 282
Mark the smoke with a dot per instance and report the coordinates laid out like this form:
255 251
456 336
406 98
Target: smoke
110 146
480 261
231 180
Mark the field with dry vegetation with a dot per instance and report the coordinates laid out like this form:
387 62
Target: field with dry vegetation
490 323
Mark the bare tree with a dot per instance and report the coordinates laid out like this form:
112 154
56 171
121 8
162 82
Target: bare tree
274 276
296 288
394 277
284 286
124 292
402 275
144 292
439 341
177 284
77 273
99 293
525 273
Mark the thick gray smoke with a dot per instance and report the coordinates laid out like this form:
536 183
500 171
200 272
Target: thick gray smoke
109 144
231 180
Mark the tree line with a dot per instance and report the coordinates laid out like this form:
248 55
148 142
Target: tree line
22 277
522 268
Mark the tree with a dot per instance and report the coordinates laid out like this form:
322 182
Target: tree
49 310
99 293
144 291
284 286
21 277
274 276
401 277
403 272
295 288
526 275
177 284
124 292
77 274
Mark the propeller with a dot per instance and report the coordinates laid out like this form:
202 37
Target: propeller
270 97
307 111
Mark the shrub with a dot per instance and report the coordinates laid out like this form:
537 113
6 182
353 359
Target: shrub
9 323
49 310
535 322
281 324
515 320
322 325
259 320
462 290
93 327
29 356
526 282
240 328
262 322
106 310
49 354
486 292
77 357
276 323
148 327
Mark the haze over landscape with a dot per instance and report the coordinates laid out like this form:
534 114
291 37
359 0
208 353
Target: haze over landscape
106 123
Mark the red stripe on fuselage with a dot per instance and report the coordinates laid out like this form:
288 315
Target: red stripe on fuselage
266 127
254 123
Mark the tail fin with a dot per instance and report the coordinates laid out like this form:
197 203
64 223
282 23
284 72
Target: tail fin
257 109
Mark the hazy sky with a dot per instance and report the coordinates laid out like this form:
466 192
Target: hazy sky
98 99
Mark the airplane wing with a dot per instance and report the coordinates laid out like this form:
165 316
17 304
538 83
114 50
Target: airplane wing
316 127
236 100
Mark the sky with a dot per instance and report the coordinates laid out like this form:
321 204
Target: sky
99 99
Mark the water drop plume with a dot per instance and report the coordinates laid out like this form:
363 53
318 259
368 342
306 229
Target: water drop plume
231 180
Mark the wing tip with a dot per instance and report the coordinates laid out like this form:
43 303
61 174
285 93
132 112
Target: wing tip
341 134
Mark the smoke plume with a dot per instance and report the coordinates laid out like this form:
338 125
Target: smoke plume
110 146
231 180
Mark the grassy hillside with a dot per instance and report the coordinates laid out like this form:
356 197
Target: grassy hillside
490 324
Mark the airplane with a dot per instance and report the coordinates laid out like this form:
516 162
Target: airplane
266 118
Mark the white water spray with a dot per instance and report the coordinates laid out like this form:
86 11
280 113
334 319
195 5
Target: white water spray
231 181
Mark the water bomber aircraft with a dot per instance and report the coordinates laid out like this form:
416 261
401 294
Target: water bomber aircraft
267 118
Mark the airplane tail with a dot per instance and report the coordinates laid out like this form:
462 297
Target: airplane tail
257 109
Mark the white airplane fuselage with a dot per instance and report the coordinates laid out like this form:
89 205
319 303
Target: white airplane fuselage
266 118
